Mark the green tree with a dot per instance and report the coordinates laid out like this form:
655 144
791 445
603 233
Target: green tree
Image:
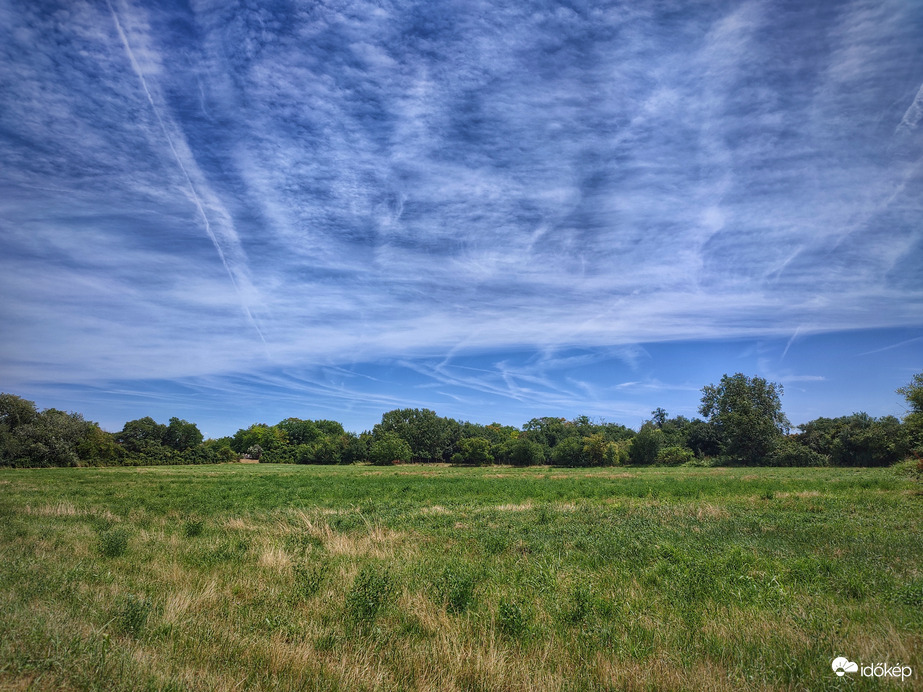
141 435
747 415
913 421
646 444
475 451
430 437
569 452
388 448
597 450
524 452
866 441
182 435
300 432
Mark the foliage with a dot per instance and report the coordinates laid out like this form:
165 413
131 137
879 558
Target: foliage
474 451
703 438
790 452
674 456
388 448
568 452
182 435
866 441
430 437
524 452
646 445
913 421
747 415
856 440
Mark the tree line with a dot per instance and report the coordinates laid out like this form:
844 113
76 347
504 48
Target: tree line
743 424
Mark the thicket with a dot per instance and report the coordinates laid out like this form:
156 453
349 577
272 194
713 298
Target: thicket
742 424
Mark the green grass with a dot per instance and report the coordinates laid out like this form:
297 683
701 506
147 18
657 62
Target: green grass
410 577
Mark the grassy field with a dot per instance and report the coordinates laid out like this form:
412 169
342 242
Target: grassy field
438 578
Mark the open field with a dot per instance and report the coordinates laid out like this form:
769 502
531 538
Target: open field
411 577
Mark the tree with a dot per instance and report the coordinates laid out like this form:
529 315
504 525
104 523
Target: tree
658 417
747 415
300 432
473 450
646 444
597 450
141 435
430 437
389 448
913 421
569 452
182 435
524 452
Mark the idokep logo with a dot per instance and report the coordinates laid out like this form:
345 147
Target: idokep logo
842 665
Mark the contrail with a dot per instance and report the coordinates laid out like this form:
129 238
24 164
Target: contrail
179 162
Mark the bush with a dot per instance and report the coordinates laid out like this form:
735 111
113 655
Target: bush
475 451
790 452
646 445
523 452
674 456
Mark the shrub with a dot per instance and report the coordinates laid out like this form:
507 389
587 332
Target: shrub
473 450
568 452
790 452
523 452
674 456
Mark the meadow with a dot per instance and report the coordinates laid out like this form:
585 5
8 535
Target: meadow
443 578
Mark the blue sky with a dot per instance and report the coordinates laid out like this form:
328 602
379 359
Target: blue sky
236 212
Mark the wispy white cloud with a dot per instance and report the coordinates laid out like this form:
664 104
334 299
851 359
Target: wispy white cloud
412 184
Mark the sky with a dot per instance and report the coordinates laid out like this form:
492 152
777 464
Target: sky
239 211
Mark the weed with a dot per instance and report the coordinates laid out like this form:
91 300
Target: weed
133 614
369 591
579 604
512 619
455 587
113 543
911 593
193 528
495 542
308 579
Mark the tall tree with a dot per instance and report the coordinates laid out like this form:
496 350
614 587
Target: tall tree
746 413
913 421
